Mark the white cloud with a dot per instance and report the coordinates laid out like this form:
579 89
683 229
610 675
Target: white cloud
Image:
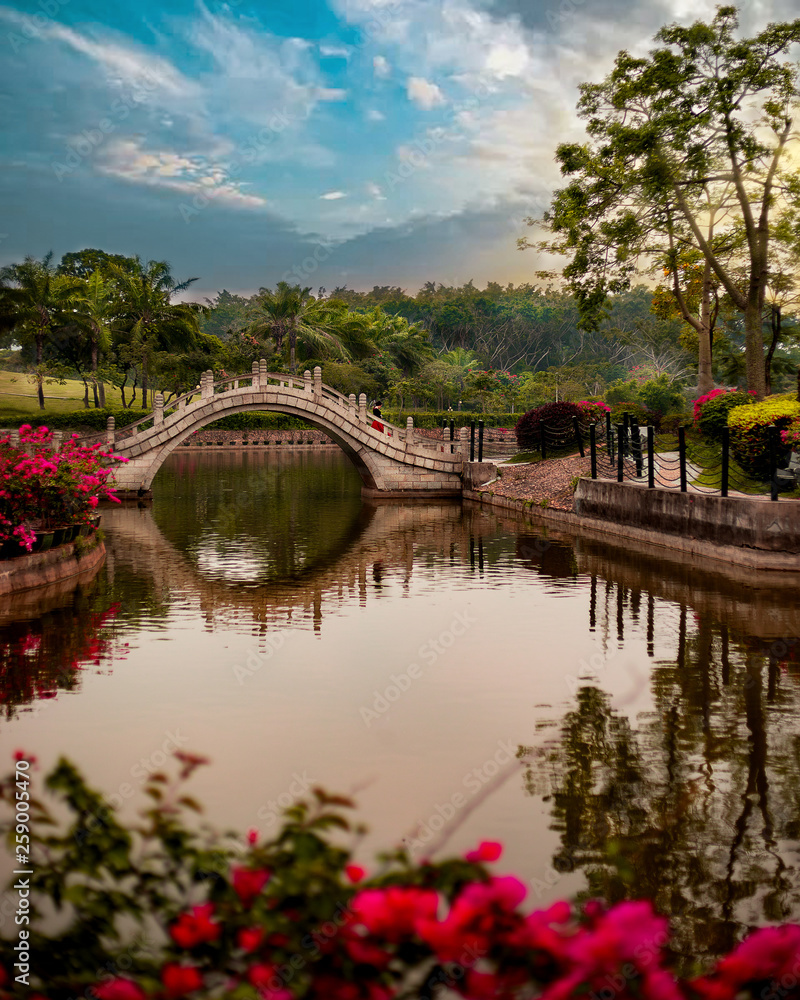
423 93
333 195
374 191
335 51
373 115
381 67
128 160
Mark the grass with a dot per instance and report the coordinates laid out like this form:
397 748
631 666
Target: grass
531 457
18 395
708 455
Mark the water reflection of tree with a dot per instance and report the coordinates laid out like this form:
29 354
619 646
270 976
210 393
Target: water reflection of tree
696 807
41 656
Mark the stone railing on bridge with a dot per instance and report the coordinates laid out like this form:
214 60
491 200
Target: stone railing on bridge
260 438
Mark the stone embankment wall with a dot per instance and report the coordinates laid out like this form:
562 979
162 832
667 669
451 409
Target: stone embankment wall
81 558
259 438
754 523
496 440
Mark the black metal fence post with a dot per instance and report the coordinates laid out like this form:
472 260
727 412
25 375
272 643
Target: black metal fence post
620 452
452 434
726 445
682 456
480 440
636 447
626 417
472 440
543 441
772 431
593 448
651 464
608 425
578 437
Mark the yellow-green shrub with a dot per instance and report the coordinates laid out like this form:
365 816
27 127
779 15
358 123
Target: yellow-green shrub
749 435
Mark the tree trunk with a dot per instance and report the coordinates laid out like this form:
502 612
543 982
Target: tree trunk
102 390
97 396
86 394
775 324
39 386
144 385
705 378
754 343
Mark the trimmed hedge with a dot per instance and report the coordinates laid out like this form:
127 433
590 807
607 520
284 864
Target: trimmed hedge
92 421
557 417
749 435
430 419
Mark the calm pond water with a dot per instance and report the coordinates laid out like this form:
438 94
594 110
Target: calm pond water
627 726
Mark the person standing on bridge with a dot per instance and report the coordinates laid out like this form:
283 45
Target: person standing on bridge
376 412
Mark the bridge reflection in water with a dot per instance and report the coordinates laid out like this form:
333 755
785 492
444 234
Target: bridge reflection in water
665 764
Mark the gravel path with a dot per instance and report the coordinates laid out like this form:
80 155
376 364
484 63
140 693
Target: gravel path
550 480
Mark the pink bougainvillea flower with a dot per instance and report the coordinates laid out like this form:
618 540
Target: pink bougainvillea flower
354 873
118 989
268 982
195 927
249 938
252 836
179 980
248 883
488 850
393 912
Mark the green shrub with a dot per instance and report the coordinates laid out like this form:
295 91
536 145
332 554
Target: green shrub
638 413
711 411
556 417
622 391
670 422
661 395
749 431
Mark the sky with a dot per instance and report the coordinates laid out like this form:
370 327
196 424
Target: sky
326 142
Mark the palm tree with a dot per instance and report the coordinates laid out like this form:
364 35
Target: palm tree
98 309
34 303
408 344
292 315
147 315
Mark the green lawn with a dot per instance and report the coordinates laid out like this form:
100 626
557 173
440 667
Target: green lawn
18 394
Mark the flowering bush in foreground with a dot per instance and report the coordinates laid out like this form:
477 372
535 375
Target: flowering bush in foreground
165 911
43 487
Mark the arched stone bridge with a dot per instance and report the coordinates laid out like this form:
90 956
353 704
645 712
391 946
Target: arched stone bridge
391 462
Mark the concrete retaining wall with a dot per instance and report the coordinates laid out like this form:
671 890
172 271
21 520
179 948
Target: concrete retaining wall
754 523
40 569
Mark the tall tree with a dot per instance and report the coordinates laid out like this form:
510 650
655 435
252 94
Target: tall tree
36 302
695 132
148 318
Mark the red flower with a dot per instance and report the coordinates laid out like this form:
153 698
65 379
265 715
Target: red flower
248 883
393 913
249 938
118 989
191 929
488 850
355 873
179 980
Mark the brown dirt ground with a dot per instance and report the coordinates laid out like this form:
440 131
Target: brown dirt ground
550 480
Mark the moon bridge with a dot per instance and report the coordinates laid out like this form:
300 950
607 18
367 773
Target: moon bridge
394 462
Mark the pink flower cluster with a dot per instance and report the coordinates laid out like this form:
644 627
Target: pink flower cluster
476 940
42 486
702 400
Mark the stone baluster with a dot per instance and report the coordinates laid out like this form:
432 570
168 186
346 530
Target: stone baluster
318 381
463 443
263 381
409 431
206 384
236 383
362 407
181 403
307 386
111 431
254 375
158 409
351 405
58 437
13 438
